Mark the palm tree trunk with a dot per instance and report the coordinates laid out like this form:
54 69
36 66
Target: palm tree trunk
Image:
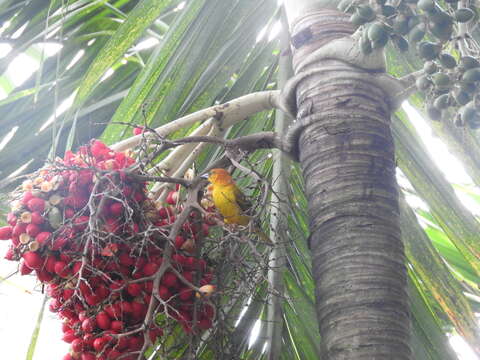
347 155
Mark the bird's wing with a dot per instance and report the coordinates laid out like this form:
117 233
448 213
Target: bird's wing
242 200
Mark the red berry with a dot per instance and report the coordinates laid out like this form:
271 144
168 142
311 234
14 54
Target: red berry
116 209
117 325
134 289
32 230
179 240
126 259
172 198
99 343
155 333
150 268
188 275
19 229
76 267
103 320
24 269
125 307
164 293
205 323
59 243
11 219
81 223
170 279
69 212
113 354
88 340
44 276
138 309
69 336
6 233
137 130
36 204
67 314
33 260
185 294
27 197
37 218
88 356
92 300
61 269
43 237
135 343
65 327
77 345
88 325
9 255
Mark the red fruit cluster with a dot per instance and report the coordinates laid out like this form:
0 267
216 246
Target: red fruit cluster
87 230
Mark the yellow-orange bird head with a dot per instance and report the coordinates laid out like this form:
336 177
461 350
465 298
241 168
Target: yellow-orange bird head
220 177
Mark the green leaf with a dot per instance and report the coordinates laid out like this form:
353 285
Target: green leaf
140 18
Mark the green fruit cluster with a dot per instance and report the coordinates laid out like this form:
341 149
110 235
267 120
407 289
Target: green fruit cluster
431 27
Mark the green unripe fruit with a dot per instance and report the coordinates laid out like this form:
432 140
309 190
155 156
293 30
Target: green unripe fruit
388 10
365 44
366 11
434 113
474 124
426 5
464 15
441 25
442 102
469 62
472 75
400 26
413 21
357 19
377 32
461 97
345 5
469 88
458 121
423 83
447 61
441 80
400 42
417 33
430 67
428 50
470 115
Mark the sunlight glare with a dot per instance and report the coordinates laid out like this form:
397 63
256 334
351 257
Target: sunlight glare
51 48
8 137
254 333
446 162
5 49
21 68
180 6
75 59
462 349
64 106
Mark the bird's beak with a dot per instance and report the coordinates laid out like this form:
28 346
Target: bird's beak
204 176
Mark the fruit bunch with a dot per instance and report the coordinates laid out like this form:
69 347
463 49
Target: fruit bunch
85 227
450 79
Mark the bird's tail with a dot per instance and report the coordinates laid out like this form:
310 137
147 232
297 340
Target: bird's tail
261 235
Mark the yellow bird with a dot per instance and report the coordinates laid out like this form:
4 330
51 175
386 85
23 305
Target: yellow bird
229 200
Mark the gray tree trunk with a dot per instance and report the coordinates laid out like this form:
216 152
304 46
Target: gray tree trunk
346 151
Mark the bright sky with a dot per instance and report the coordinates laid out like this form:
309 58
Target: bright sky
21 297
